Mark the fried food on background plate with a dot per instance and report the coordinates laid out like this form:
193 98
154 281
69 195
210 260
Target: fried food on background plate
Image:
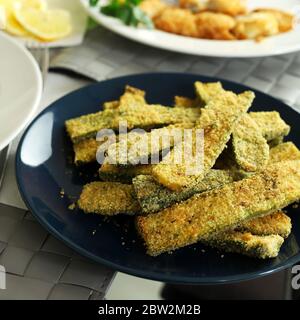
153 7
204 215
230 7
193 5
285 20
178 21
256 25
216 26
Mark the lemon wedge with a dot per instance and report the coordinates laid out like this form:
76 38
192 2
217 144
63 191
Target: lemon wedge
12 25
47 25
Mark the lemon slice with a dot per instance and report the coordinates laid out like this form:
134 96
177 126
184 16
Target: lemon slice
2 17
12 25
47 25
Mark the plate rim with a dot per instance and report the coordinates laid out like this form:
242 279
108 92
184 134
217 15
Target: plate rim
38 95
217 54
206 280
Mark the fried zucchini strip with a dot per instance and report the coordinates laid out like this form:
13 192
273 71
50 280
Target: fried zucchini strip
136 116
108 198
250 148
185 102
245 243
217 120
284 152
207 91
110 172
275 142
206 214
85 151
109 105
275 223
137 148
271 125
154 197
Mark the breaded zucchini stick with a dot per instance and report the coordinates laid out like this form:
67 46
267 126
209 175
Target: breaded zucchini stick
275 142
204 215
154 197
110 172
284 152
85 151
207 91
108 198
271 125
250 148
111 105
137 148
217 120
275 223
185 102
136 116
245 243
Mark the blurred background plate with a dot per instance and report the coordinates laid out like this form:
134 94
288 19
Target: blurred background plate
20 88
49 183
280 44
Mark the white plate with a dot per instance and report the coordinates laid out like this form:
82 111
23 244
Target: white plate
280 44
20 88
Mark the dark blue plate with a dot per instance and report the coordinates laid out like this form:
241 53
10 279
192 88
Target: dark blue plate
44 169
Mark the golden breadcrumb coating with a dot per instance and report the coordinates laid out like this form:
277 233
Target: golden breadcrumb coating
185 102
111 105
108 198
284 152
206 214
231 7
250 148
110 172
140 147
207 91
216 26
85 151
256 25
275 223
217 120
261 247
154 197
270 124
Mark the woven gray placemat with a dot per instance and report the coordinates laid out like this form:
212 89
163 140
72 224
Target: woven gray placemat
38 266
105 55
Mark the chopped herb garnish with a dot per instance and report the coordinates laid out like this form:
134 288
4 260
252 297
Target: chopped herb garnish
93 3
127 11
